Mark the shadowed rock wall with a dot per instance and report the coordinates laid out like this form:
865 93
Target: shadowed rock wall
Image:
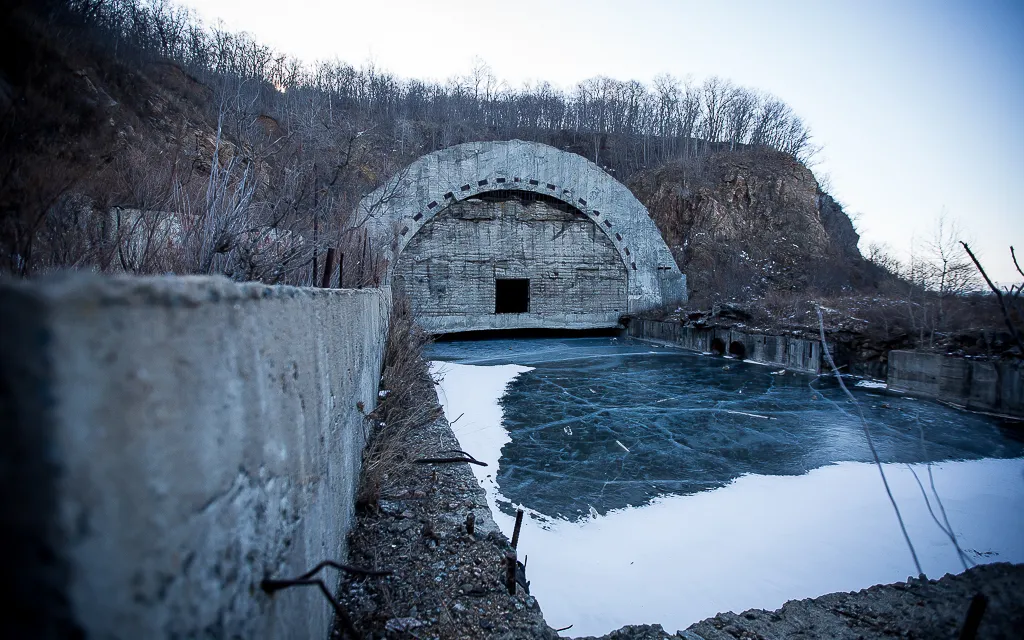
173 442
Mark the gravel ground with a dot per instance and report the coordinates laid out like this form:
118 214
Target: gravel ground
913 609
446 583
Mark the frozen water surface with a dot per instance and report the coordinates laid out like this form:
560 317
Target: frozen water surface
665 486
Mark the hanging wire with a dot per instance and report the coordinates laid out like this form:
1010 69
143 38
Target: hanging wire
947 528
871 444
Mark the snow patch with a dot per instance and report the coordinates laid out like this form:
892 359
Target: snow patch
871 384
472 392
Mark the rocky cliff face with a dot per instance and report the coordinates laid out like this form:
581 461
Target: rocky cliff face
743 223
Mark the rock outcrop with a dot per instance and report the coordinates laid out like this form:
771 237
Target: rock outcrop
750 221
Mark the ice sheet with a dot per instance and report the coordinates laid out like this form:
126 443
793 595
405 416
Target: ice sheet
658 492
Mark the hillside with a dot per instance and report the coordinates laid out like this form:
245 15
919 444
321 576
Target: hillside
137 139
747 222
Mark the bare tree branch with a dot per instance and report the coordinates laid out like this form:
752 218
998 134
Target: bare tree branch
999 296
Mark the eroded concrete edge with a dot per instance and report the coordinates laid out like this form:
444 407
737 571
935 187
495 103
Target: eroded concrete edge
198 436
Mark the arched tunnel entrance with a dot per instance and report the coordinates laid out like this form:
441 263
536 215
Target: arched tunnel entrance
517 258
717 346
737 350
519 235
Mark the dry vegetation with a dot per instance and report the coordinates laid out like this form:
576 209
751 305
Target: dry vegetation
411 521
407 403
135 138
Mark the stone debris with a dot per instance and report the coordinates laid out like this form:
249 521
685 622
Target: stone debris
913 609
402 624
447 583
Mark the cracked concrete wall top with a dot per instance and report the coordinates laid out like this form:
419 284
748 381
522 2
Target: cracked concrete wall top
397 210
173 442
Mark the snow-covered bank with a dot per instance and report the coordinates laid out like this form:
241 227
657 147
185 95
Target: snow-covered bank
757 542
764 540
472 409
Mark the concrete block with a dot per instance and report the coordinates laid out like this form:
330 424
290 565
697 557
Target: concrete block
915 372
794 354
176 440
996 386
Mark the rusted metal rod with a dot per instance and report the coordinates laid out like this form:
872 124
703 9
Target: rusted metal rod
270 586
325 283
974 614
510 572
468 459
463 457
519 525
336 565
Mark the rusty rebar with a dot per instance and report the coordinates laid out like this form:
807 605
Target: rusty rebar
271 586
510 572
325 282
973 620
463 457
519 525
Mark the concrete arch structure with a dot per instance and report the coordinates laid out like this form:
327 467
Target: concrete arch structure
400 209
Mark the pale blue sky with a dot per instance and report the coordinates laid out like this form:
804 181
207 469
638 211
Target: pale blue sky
918 105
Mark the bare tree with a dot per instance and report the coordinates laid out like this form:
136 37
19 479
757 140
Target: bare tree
950 272
1009 301
287 149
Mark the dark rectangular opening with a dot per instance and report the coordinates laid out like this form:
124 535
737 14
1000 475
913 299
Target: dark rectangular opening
511 295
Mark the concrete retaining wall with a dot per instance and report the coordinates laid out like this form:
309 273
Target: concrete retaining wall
983 385
794 354
169 442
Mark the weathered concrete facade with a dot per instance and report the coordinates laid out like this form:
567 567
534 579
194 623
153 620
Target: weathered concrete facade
450 267
501 239
170 442
795 354
975 384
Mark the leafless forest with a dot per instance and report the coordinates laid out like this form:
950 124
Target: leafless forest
190 149
134 138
